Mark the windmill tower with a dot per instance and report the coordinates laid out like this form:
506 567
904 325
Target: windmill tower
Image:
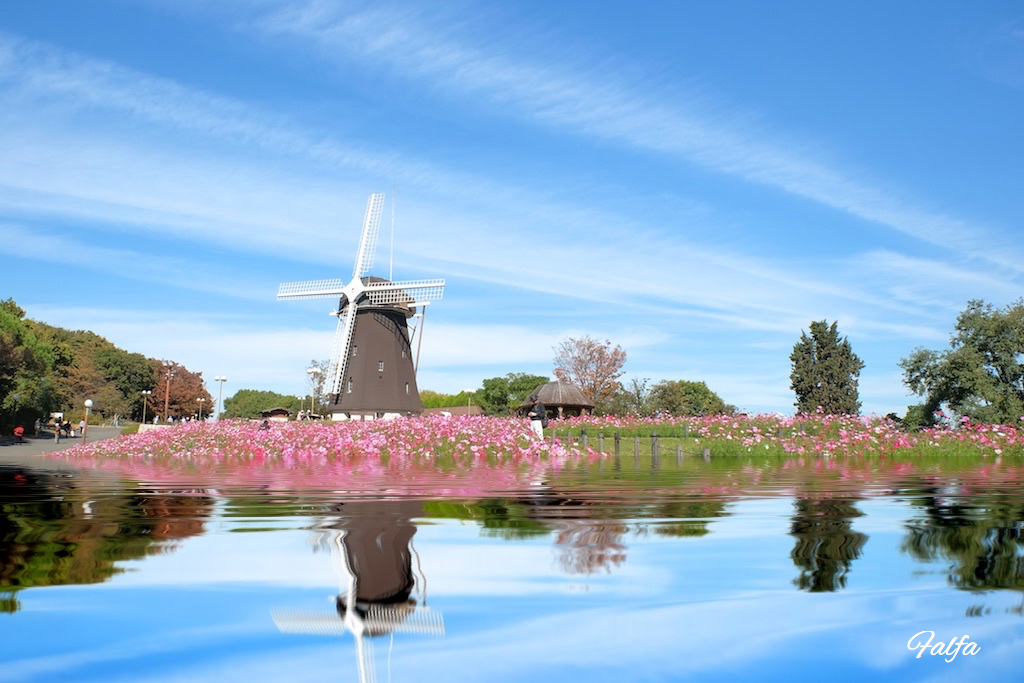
371 373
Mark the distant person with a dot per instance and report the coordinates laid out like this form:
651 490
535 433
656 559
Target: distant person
38 426
67 428
538 415
81 426
56 431
156 419
19 432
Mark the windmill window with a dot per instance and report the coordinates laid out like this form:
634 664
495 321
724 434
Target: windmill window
407 387
380 366
355 350
349 388
403 353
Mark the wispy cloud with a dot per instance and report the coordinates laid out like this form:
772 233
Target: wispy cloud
606 106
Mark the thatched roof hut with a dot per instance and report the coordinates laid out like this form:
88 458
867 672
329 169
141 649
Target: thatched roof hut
560 396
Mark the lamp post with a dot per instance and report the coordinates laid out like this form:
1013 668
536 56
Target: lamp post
145 400
169 365
313 373
85 429
469 399
221 399
201 400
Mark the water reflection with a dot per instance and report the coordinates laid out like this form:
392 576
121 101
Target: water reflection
61 528
826 543
58 530
979 535
371 546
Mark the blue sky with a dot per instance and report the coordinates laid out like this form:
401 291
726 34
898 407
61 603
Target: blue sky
693 181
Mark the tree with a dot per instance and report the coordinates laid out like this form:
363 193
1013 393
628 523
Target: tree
633 399
502 395
593 367
981 375
186 388
26 363
249 403
318 381
682 398
825 372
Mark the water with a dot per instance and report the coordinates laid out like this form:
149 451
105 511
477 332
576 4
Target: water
732 569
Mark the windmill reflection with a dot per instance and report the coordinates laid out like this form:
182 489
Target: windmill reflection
371 548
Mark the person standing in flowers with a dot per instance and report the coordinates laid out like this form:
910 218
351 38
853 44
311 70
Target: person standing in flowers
538 415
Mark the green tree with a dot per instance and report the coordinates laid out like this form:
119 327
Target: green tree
633 399
26 365
981 375
686 399
249 403
825 372
502 395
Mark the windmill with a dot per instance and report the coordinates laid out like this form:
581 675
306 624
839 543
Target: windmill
371 373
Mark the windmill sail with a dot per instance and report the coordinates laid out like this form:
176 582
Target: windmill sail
368 240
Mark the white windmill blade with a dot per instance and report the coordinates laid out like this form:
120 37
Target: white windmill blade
314 623
380 618
339 351
368 240
310 289
407 292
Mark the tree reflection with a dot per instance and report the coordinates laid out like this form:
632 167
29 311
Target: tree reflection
54 530
980 535
825 542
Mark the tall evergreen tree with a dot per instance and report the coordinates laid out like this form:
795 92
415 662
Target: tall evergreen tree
825 372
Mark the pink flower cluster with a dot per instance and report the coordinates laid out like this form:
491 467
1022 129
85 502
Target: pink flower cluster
817 434
442 456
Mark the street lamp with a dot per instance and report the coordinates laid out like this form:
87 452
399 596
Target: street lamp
85 429
170 365
200 399
469 399
145 400
221 399
313 373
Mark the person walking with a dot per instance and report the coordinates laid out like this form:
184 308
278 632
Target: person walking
56 431
538 415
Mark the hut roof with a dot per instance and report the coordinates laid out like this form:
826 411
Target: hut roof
554 394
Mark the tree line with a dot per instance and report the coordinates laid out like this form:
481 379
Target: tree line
46 369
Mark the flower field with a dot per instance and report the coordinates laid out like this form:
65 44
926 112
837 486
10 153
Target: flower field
826 435
426 456
475 456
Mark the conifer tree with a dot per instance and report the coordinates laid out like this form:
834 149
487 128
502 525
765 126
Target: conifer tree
825 372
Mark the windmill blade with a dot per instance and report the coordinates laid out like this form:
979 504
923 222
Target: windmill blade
313 623
310 289
395 619
339 352
407 292
368 240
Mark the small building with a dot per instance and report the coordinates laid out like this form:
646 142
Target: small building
561 397
276 414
